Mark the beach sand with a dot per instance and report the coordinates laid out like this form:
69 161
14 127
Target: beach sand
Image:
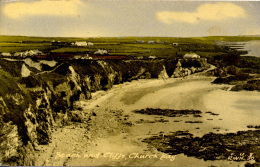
232 112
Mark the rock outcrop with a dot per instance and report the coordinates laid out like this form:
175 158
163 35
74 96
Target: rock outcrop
185 67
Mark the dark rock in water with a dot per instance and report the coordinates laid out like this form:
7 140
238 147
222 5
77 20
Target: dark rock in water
195 115
251 126
249 86
167 112
193 122
240 146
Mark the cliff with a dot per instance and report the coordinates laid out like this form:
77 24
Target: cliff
38 95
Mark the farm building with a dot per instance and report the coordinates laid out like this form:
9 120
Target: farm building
152 57
191 56
81 43
101 52
151 42
6 54
90 44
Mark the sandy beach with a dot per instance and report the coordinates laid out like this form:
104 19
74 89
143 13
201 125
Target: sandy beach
109 141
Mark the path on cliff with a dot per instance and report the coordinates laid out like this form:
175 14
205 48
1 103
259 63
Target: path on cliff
114 134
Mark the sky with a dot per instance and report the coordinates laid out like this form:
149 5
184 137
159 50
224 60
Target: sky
120 18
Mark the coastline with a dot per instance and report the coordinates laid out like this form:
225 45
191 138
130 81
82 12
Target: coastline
191 93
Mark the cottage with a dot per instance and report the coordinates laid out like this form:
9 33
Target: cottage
90 44
82 43
151 42
6 54
101 52
152 57
191 56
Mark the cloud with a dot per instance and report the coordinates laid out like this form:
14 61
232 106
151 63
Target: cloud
43 7
252 31
207 12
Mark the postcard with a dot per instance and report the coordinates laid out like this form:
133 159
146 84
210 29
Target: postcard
129 83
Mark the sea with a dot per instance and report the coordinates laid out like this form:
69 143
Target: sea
252 47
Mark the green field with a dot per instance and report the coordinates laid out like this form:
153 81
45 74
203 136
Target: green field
204 46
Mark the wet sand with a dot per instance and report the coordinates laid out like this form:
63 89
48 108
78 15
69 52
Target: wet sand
125 146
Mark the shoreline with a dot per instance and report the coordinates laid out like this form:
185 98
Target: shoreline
128 139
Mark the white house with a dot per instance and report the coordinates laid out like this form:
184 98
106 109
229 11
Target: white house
150 42
152 57
90 44
6 54
191 56
82 43
101 52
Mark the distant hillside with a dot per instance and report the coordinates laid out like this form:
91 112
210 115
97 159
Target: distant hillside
4 38
131 47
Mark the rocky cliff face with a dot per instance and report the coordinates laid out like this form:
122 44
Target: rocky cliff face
36 96
185 67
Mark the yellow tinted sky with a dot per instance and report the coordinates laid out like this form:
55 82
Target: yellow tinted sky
129 18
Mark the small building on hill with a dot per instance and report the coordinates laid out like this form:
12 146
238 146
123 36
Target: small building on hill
101 52
6 54
90 44
191 56
152 57
82 43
